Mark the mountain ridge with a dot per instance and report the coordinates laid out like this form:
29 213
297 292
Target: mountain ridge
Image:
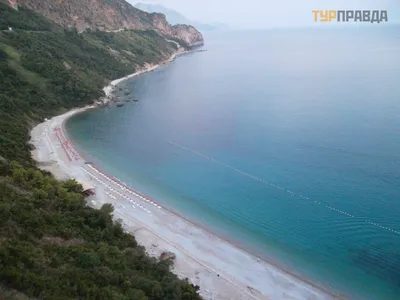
108 15
175 17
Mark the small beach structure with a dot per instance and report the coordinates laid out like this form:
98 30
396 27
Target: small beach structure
88 189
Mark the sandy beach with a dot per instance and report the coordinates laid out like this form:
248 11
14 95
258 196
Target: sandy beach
222 270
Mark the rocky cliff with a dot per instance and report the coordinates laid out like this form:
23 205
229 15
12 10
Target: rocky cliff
108 15
188 33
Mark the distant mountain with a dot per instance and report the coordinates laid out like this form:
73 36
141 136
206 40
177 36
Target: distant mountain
174 17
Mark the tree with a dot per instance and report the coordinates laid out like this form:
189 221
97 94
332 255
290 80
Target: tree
107 208
52 245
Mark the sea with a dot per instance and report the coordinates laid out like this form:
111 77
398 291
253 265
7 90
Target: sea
284 141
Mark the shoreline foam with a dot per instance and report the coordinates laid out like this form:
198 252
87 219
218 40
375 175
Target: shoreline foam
196 247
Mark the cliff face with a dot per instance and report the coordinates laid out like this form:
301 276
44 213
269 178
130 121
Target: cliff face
188 33
108 15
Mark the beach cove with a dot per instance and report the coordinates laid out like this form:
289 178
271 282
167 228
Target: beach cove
269 150
220 269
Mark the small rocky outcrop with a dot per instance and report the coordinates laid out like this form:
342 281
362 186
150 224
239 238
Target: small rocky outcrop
167 255
189 34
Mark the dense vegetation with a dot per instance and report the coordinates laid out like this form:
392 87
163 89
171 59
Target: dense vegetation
44 68
52 245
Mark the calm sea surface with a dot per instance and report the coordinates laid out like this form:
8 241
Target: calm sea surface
284 141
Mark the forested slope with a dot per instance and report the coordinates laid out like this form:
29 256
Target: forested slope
53 246
45 68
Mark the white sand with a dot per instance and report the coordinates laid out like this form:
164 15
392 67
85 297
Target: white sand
200 256
147 68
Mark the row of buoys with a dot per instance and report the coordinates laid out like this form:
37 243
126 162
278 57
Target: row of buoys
279 187
339 211
383 227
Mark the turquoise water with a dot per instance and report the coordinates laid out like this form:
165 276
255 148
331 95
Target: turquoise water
261 137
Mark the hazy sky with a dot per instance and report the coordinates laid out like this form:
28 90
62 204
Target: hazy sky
269 13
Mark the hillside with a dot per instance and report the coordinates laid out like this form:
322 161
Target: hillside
45 68
53 246
174 17
109 15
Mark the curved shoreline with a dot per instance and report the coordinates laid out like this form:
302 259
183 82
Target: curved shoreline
209 231
65 117
225 239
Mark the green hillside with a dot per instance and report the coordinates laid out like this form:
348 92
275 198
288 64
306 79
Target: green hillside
52 246
44 69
